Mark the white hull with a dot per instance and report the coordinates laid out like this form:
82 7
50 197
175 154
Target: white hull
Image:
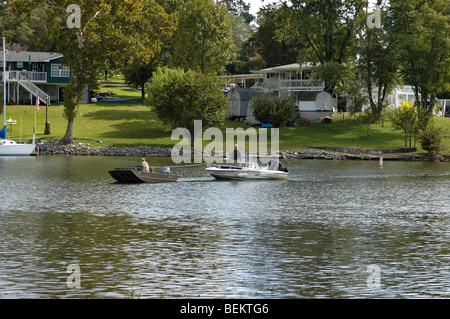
10 148
236 173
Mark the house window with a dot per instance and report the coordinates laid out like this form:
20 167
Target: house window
19 65
60 71
306 75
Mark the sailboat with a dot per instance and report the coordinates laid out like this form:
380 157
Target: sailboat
9 147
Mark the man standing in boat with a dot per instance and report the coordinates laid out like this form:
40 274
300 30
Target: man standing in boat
236 156
145 165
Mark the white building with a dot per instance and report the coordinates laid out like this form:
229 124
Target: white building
312 102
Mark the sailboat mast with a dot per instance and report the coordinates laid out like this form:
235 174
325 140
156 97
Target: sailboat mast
4 81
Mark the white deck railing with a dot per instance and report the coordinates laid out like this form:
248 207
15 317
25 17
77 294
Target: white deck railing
14 76
302 85
291 85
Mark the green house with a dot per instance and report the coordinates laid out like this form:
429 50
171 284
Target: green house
36 74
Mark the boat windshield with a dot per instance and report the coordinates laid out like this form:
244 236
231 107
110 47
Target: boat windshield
248 162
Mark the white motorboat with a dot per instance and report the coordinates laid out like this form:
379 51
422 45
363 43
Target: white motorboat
9 147
249 171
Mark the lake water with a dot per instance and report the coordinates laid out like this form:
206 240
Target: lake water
334 229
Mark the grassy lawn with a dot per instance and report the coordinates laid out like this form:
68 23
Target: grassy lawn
133 124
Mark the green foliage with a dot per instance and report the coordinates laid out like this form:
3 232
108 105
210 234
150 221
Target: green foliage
412 120
273 109
203 40
378 61
245 67
431 140
275 50
405 118
110 29
422 31
356 97
239 8
179 97
326 28
137 74
367 117
334 73
14 27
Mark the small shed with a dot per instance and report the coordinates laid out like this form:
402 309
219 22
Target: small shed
238 99
313 106
324 102
251 119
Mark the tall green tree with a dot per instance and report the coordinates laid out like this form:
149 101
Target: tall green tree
113 29
203 40
422 31
14 27
137 74
276 50
327 28
378 60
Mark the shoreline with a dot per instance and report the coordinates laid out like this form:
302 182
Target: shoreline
314 153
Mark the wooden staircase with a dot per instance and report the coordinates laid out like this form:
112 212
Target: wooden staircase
33 89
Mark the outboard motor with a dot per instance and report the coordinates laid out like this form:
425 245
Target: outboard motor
282 169
165 170
275 165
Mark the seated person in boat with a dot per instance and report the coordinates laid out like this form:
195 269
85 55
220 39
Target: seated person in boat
146 167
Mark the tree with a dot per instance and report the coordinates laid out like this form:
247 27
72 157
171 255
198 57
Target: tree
14 27
422 30
179 97
240 9
203 40
378 62
113 29
137 74
273 110
247 43
413 120
356 98
327 28
367 117
275 50
405 118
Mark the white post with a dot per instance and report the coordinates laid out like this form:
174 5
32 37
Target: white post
34 129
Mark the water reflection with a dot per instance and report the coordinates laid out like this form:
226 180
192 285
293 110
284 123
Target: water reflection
311 236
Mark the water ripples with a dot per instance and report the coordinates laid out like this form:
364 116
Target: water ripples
311 236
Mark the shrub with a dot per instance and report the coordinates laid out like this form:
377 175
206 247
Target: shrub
431 140
272 109
179 98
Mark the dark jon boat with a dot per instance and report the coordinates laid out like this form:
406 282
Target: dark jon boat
138 175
